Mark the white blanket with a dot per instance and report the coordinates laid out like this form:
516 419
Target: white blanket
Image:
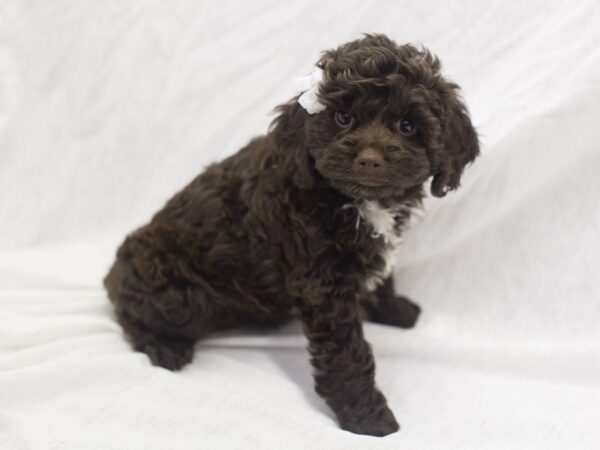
107 108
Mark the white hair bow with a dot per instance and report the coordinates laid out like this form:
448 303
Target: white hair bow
309 86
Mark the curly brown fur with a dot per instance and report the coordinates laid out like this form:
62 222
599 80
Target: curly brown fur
301 223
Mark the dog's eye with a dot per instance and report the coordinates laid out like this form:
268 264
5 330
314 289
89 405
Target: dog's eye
343 119
406 127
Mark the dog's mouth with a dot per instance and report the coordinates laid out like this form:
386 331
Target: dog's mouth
369 183
356 185
365 189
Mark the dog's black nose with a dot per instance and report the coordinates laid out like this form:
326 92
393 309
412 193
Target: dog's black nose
368 160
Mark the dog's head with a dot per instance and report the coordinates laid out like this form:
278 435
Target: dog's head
388 122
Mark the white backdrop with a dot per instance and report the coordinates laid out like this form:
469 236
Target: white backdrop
107 108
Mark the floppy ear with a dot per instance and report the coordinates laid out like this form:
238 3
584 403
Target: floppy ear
288 130
459 143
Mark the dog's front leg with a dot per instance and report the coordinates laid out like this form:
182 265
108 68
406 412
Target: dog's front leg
392 309
344 369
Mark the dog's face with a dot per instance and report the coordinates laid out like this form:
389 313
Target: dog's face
390 123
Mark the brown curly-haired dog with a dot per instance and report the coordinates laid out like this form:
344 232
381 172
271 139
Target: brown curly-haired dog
302 223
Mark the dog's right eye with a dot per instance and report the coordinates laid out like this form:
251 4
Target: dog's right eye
343 119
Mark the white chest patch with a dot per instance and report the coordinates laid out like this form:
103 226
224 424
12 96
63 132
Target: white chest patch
383 223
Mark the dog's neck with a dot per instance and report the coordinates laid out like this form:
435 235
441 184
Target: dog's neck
385 221
386 218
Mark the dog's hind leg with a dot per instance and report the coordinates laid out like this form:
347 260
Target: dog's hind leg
164 324
161 301
165 351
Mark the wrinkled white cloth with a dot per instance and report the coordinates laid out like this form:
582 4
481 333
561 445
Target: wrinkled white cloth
107 108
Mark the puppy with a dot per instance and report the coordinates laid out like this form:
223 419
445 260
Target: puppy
302 223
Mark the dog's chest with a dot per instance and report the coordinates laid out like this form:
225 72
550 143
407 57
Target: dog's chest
383 223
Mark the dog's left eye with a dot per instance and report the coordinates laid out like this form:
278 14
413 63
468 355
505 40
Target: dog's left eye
406 127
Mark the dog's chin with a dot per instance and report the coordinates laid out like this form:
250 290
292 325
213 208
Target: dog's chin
365 190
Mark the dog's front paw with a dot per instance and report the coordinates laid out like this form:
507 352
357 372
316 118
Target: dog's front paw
397 311
404 313
380 423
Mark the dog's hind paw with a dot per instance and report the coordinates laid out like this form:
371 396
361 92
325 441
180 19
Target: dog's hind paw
171 354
